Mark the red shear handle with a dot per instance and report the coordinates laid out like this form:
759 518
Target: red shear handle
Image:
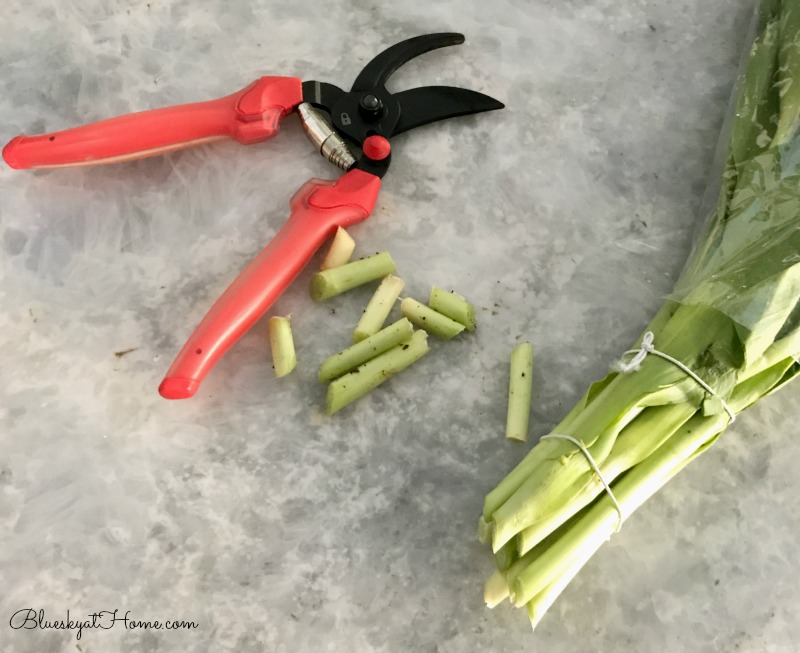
249 116
318 208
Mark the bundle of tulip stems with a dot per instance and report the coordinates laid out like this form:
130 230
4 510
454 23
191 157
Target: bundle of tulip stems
727 336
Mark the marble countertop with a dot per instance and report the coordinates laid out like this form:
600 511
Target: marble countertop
565 218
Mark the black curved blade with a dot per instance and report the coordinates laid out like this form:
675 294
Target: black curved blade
419 106
377 71
321 94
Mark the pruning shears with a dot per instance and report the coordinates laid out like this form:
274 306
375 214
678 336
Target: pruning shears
334 120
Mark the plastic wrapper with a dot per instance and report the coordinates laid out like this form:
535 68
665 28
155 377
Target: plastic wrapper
746 260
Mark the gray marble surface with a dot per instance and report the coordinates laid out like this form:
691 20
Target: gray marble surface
565 218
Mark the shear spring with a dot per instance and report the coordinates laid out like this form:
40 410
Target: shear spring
325 139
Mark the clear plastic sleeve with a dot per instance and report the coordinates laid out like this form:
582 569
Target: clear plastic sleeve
746 258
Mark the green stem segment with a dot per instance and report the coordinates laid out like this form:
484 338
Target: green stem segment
335 281
378 308
519 392
371 374
361 352
431 321
453 306
281 342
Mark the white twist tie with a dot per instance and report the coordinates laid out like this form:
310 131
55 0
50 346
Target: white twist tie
648 348
596 469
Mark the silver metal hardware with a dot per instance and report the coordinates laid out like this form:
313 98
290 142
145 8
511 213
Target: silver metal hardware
325 139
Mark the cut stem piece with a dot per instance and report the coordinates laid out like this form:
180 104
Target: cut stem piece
371 374
281 342
495 590
432 321
378 308
340 251
361 352
453 306
335 281
519 392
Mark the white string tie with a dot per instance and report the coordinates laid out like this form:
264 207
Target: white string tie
596 469
635 363
648 348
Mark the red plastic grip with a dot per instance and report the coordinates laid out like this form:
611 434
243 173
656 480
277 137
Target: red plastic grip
317 209
248 116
